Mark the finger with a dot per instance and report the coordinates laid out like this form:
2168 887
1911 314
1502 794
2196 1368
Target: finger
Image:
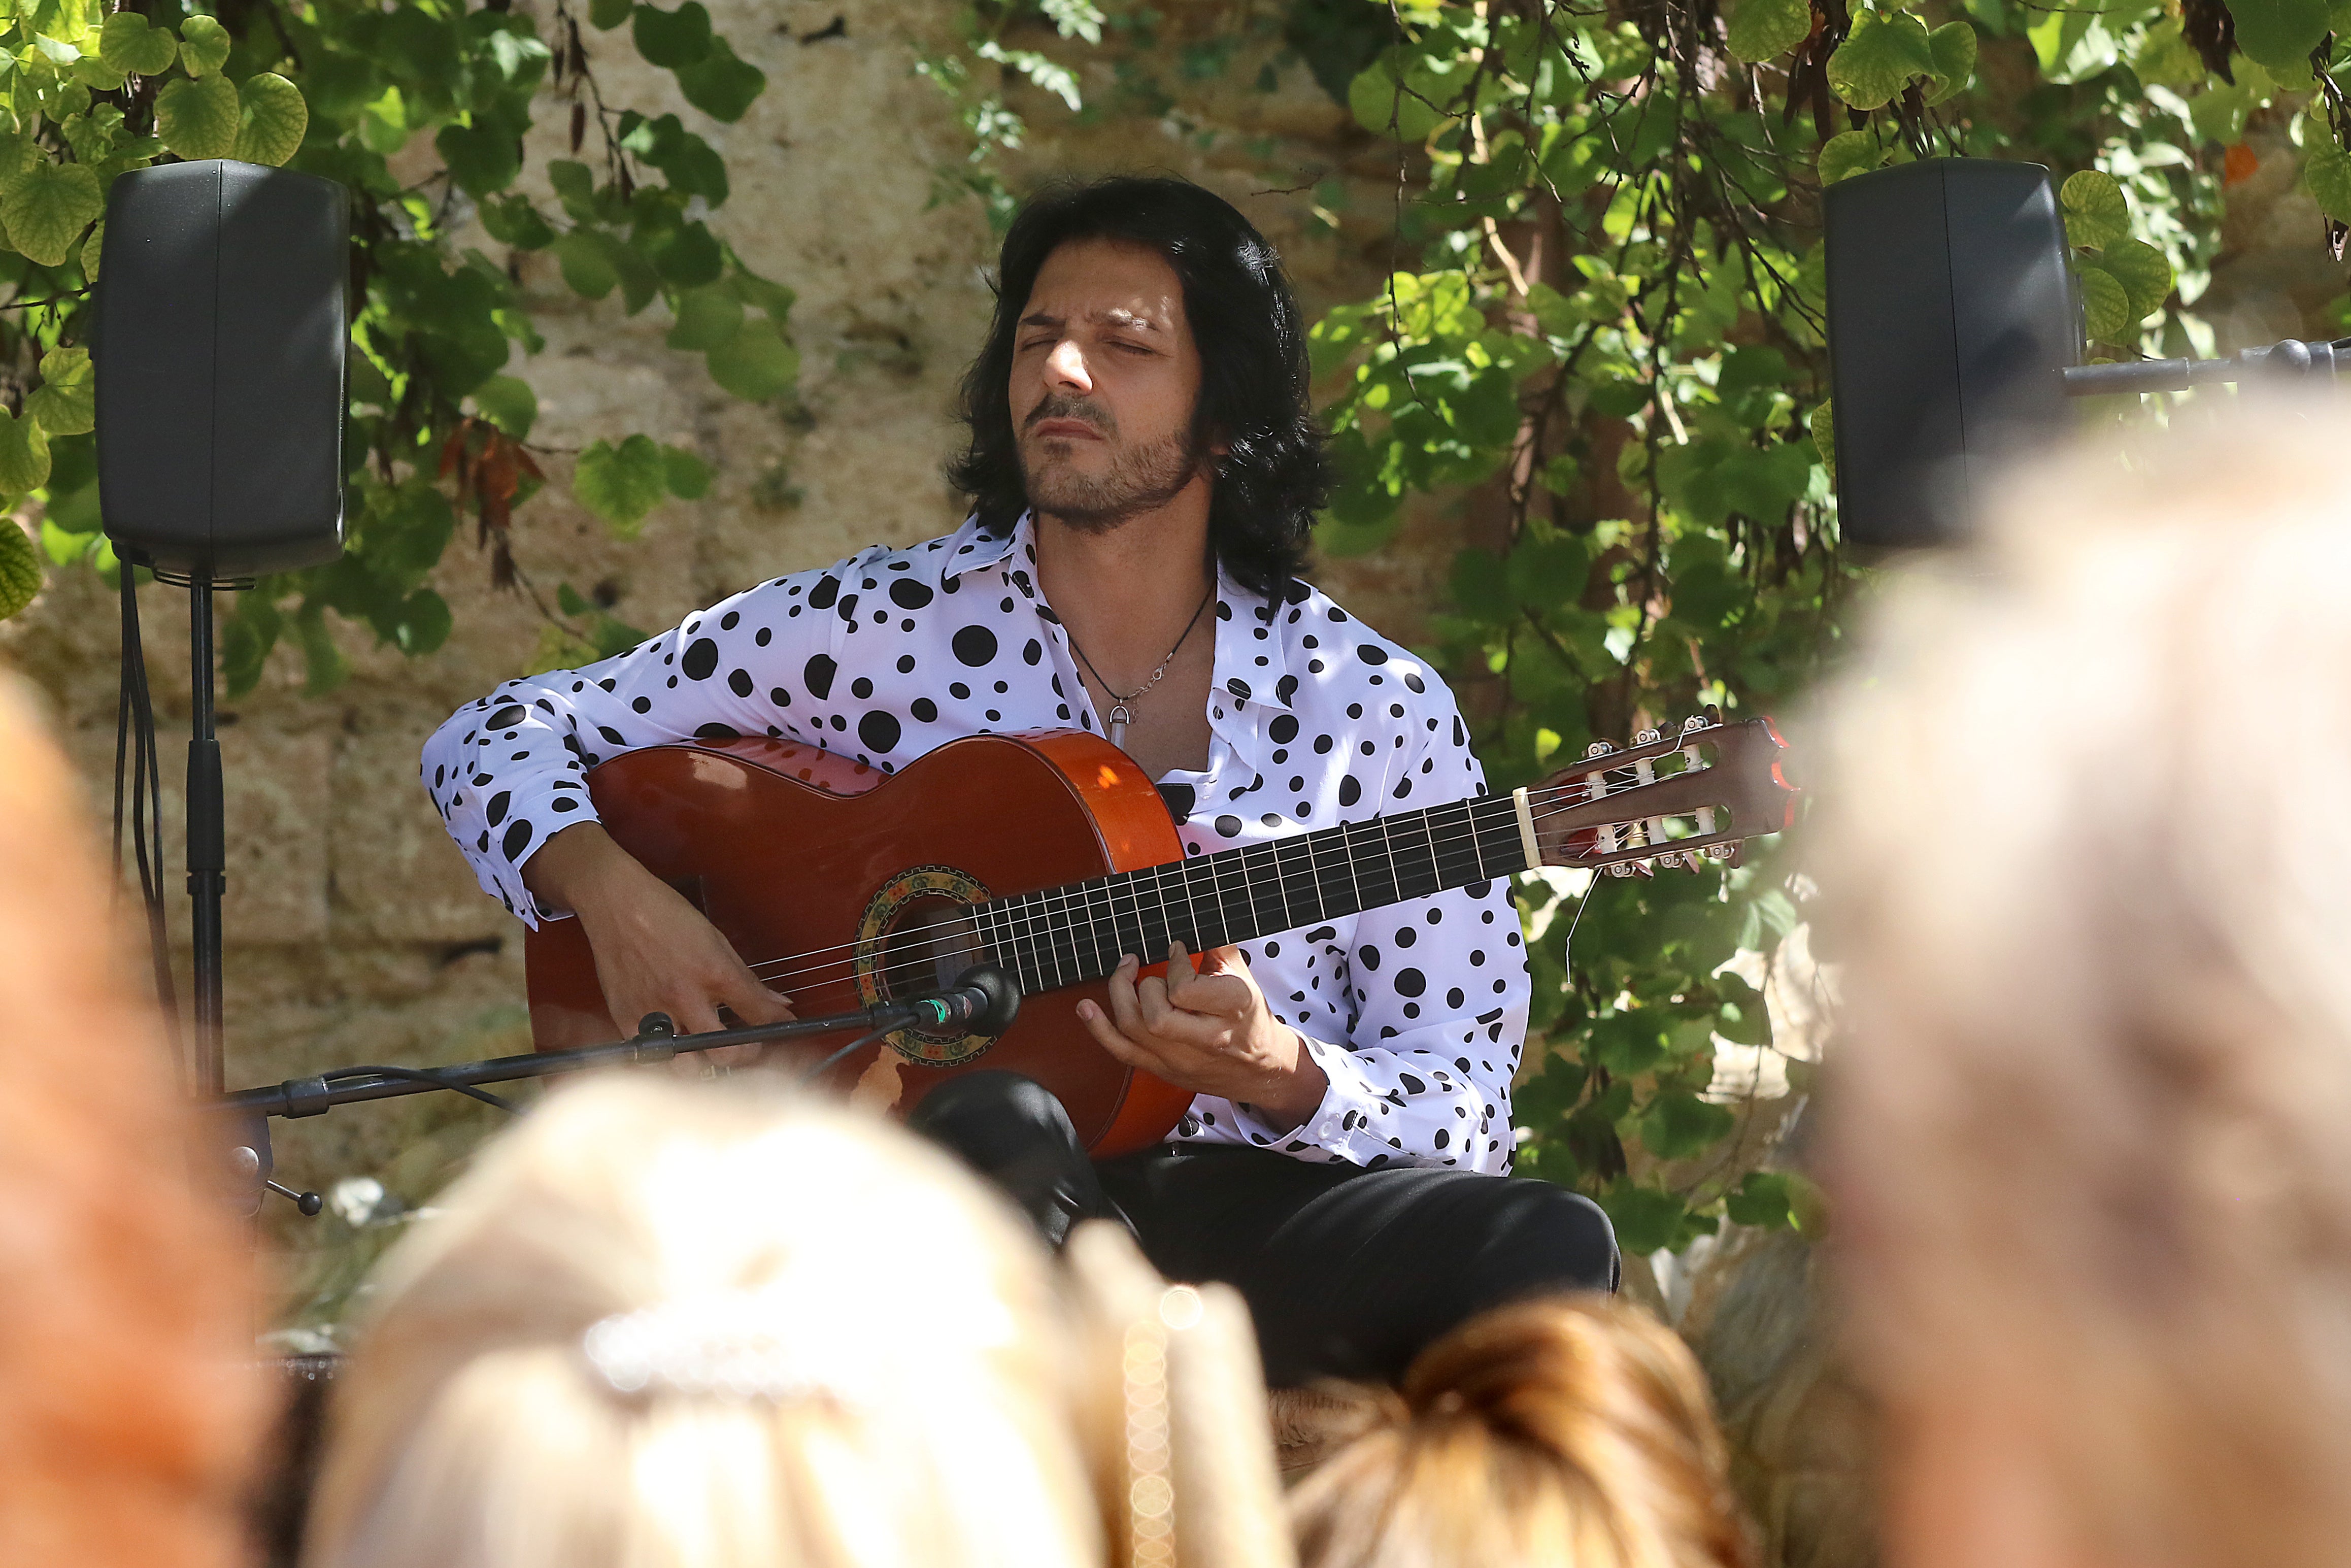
753 1002
1151 996
1124 1007
1113 1040
1179 964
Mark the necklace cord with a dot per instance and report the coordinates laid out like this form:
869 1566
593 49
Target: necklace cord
1078 649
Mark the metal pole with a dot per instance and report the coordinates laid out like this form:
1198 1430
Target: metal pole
207 837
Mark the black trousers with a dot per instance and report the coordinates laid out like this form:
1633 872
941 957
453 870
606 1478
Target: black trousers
1348 1272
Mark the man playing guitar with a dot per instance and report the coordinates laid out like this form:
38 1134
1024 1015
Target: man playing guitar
1144 471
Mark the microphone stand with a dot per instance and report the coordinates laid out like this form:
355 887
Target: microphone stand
985 1000
655 1041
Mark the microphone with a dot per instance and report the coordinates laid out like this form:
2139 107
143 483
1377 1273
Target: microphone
983 1000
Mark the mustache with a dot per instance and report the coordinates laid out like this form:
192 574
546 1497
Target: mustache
1065 405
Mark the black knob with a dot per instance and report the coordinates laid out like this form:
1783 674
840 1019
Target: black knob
657 1025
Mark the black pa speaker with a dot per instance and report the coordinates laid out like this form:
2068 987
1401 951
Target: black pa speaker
1951 313
219 356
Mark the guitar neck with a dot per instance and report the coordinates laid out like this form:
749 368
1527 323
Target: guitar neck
1069 935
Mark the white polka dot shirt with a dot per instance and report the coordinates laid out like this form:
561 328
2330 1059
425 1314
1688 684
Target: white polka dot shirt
1414 1012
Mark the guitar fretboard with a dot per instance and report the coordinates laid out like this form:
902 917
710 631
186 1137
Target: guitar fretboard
1069 935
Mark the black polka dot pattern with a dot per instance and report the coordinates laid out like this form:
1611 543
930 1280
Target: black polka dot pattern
1315 721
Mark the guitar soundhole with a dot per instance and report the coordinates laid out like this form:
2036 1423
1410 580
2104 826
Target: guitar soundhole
932 942
916 937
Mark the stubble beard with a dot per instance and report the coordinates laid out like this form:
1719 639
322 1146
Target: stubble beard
1141 478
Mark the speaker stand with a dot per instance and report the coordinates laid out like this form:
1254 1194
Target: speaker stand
207 838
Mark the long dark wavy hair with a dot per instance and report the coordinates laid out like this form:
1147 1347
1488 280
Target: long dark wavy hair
1253 372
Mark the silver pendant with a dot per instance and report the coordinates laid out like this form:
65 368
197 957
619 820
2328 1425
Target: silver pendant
1119 719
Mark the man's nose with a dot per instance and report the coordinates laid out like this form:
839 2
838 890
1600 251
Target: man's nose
1066 366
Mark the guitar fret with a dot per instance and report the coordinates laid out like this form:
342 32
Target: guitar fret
1326 854
1502 852
1269 904
1293 860
1063 935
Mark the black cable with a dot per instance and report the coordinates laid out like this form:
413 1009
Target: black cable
821 1068
135 747
422 1075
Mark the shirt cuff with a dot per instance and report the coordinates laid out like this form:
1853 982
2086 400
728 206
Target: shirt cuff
1342 1125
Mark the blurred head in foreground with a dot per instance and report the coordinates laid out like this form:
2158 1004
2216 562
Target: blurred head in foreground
1567 1433
662 1325
2092 1147
129 1404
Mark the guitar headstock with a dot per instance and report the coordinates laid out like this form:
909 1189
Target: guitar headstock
1679 796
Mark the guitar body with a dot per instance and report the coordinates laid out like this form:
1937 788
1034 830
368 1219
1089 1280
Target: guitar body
839 885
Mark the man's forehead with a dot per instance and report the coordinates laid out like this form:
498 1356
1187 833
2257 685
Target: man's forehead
1106 283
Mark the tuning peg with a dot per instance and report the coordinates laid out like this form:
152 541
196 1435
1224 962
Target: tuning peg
1647 738
1693 723
1598 749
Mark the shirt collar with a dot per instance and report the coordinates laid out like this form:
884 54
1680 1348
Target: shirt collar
1235 615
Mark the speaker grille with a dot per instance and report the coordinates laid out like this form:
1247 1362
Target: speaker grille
221 349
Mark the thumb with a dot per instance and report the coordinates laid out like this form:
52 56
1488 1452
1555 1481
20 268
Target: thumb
1226 961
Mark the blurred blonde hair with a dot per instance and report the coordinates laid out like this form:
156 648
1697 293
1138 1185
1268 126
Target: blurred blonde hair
129 1404
953 1409
2090 1130
1566 1433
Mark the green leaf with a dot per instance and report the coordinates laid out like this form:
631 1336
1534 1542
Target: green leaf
423 624
20 568
2144 273
1850 153
512 220
507 403
24 456
1763 1200
482 158
1953 44
93 250
128 44
1765 29
575 187
1678 1124
245 642
672 39
2096 213
1645 1219
755 364
606 15
66 401
2219 113
1822 424
1879 59
585 257
2105 304
688 477
2279 34
203 46
197 118
760 292
721 87
46 210
324 667
2326 171
621 484
272 119
706 318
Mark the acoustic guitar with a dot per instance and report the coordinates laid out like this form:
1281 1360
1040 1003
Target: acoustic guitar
1050 855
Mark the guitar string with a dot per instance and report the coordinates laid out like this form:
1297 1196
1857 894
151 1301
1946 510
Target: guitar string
1043 919
1049 911
1040 921
1076 912
1026 918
